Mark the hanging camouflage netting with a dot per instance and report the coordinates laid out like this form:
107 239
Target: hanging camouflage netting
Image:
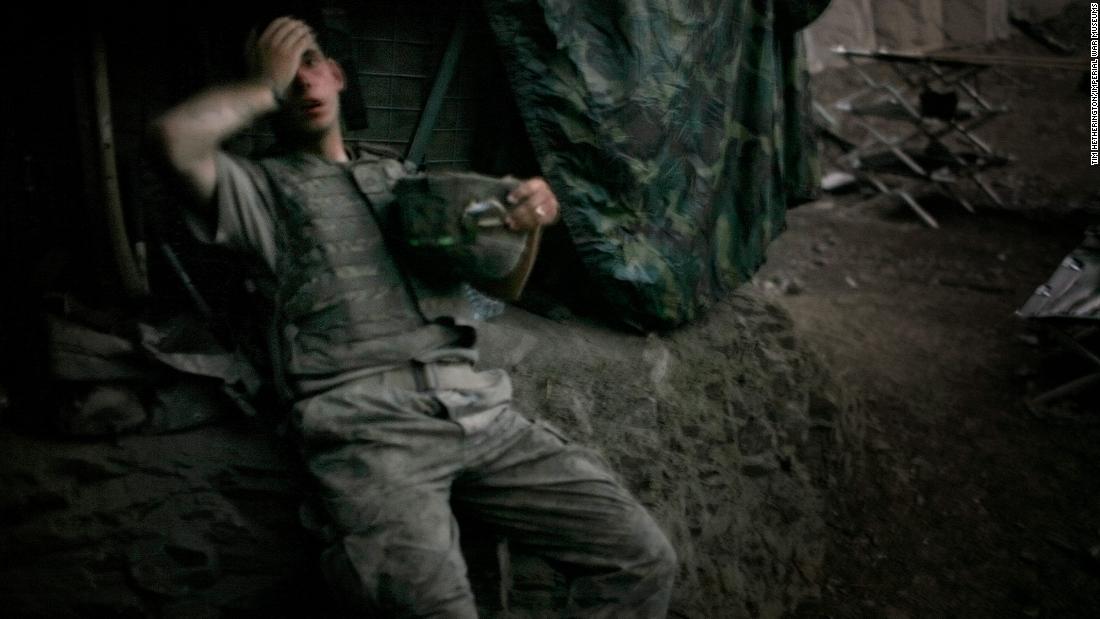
674 132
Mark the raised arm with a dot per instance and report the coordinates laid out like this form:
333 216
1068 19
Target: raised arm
190 134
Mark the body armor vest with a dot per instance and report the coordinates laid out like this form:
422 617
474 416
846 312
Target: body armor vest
343 303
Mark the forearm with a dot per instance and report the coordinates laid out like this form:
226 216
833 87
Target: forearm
191 133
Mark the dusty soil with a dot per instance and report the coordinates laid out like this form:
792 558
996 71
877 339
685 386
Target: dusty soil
967 503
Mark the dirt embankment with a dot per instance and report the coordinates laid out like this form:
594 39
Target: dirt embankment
730 430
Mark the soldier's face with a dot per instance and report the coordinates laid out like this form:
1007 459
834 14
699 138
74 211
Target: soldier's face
313 103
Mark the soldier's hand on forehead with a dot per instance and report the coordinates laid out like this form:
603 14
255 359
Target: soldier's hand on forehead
534 205
274 55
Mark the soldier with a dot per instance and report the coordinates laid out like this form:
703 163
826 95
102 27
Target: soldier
395 424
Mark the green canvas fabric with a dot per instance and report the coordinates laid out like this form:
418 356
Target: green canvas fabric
675 133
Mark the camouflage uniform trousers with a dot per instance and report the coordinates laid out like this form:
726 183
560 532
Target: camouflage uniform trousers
391 461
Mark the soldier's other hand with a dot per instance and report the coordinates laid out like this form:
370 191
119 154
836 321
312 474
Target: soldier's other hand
533 204
274 56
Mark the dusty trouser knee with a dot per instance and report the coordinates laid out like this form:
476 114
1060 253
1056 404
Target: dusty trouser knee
382 460
556 499
406 564
639 583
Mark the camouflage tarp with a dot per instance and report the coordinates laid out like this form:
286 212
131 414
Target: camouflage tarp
675 133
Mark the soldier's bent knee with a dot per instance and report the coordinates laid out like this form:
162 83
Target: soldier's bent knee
662 554
656 555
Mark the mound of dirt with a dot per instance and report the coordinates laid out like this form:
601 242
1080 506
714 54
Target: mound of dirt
729 430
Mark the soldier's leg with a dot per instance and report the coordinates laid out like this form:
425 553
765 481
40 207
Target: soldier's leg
556 499
383 462
405 563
